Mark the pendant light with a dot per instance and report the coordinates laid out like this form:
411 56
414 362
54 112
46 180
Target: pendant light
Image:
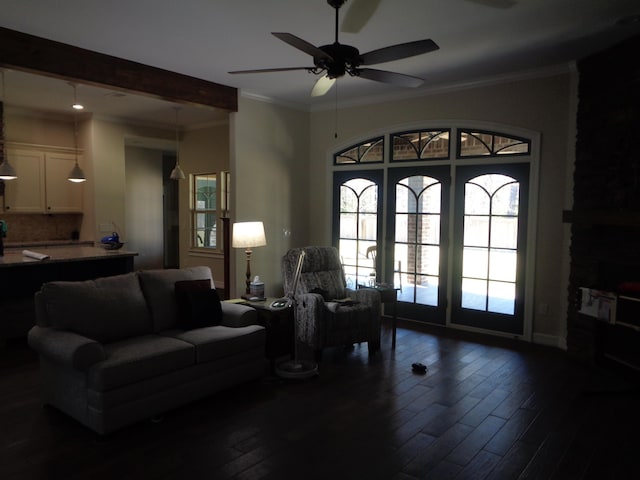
76 175
7 172
177 173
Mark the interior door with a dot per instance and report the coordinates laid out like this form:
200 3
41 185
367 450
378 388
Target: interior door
416 242
490 231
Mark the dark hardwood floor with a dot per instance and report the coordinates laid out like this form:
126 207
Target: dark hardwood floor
486 408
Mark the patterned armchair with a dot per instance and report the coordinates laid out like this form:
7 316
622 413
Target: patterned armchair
321 322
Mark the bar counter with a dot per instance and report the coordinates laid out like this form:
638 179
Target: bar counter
21 277
13 256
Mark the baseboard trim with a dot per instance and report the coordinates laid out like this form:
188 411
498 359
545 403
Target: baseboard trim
550 340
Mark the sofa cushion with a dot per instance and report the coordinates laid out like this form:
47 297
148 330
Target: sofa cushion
198 304
105 309
158 287
212 343
139 358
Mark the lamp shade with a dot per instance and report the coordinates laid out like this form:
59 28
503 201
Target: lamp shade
76 175
177 173
7 172
248 234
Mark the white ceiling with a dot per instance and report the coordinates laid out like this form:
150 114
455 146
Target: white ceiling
209 38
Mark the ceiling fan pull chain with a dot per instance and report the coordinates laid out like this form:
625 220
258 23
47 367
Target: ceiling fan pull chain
335 120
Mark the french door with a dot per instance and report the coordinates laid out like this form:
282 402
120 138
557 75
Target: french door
357 224
489 247
454 237
417 241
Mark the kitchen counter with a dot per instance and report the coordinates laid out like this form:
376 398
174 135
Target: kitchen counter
62 253
21 277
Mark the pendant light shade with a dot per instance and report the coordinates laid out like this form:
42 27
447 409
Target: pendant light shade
76 175
7 172
177 173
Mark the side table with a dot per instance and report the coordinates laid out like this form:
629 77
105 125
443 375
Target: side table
279 326
388 294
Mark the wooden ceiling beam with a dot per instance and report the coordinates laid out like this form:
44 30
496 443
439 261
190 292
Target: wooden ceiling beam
21 51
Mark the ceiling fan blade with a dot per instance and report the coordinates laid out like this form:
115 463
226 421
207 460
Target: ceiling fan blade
397 52
358 15
322 86
267 70
398 79
303 45
496 3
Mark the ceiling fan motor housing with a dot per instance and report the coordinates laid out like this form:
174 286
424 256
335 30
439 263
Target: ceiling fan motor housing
344 59
336 3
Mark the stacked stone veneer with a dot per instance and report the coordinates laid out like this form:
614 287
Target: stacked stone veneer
605 245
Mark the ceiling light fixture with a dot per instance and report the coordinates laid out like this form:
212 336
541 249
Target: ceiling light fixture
177 173
75 105
7 172
76 175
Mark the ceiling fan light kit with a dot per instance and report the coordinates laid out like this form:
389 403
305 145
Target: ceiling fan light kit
336 59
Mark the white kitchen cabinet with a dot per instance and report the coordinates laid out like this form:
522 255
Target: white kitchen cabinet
62 196
25 194
42 185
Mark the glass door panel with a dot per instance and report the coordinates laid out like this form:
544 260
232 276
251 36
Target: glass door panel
357 222
489 246
416 219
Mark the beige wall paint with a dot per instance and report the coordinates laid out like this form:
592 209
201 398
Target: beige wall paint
26 126
108 178
144 208
542 105
269 183
203 150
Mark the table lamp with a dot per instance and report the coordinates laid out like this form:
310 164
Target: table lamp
247 235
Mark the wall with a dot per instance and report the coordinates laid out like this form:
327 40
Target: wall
144 226
202 150
541 104
270 182
27 126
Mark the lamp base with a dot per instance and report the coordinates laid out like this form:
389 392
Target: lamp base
297 369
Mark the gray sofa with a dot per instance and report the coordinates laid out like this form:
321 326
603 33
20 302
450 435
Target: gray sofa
112 351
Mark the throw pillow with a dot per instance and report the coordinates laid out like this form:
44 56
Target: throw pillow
198 304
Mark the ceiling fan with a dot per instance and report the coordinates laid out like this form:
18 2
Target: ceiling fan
336 59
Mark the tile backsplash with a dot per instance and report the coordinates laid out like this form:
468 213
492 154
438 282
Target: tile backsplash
41 228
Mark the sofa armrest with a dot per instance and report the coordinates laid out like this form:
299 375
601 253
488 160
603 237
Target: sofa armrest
236 315
66 348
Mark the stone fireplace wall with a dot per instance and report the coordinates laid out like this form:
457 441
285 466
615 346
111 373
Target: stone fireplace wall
605 220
